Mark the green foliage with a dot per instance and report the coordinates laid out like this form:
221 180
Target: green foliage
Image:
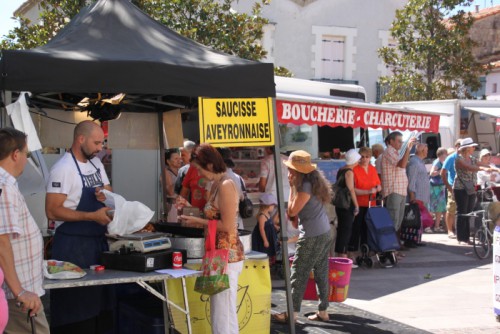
210 23
433 58
54 15
282 72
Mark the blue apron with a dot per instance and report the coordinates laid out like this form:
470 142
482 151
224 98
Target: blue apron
82 243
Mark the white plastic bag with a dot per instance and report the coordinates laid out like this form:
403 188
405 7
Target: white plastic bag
129 217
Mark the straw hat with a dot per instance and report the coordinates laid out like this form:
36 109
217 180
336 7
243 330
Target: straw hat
467 142
300 161
351 157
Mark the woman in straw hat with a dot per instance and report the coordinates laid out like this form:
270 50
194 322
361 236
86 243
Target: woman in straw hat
466 167
309 192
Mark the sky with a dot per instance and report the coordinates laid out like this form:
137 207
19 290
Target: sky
7 8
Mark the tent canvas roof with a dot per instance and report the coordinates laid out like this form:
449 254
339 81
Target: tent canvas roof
112 46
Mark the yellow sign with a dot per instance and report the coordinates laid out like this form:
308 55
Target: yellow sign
236 122
253 300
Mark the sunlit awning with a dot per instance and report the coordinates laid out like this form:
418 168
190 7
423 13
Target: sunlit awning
310 110
494 112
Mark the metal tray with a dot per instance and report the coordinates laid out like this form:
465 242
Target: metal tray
177 229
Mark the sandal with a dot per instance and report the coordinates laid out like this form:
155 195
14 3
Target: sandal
317 317
281 318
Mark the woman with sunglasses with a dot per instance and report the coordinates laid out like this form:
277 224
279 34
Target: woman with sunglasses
366 184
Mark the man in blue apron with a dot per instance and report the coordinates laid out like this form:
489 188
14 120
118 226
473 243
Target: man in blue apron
74 201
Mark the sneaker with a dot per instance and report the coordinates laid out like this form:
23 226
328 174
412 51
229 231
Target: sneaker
354 265
439 230
428 230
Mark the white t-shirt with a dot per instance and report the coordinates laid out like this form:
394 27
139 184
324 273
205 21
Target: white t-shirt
65 179
484 177
267 171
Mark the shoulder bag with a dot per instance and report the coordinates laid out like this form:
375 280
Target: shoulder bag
469 186
411 218
245 206
341 194
437 180
213 266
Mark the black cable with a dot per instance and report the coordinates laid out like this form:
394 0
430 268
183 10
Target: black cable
52 118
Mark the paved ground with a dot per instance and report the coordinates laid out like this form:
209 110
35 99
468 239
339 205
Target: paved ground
440 288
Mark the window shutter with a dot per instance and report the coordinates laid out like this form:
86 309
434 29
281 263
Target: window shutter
332 60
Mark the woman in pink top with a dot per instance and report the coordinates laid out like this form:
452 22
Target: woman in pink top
4 311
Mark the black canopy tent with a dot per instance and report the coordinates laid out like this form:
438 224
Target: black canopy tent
113 47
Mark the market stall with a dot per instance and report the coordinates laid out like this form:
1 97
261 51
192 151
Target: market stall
114 63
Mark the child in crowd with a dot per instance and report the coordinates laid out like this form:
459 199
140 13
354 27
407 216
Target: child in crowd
292 233
264 236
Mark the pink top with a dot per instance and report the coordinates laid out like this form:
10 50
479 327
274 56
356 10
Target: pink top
4 311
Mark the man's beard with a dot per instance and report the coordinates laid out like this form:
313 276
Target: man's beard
86 155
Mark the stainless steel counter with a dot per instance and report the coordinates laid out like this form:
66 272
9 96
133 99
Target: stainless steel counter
109 276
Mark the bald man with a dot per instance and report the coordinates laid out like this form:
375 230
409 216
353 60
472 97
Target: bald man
418 177
74 202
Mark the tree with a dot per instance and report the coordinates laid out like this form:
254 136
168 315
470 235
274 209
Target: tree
433 57
210 23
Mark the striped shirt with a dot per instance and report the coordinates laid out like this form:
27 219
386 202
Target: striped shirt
24 234
394 178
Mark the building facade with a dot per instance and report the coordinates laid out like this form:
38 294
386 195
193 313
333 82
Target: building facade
329 40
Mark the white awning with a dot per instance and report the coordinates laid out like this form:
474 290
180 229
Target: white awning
494 112
349 103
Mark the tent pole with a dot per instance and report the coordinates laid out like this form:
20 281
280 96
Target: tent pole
163 184
7 99
283 220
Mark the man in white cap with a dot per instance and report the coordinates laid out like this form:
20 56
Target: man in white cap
486 178
394 179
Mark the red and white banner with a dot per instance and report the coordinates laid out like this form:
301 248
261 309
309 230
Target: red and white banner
356 117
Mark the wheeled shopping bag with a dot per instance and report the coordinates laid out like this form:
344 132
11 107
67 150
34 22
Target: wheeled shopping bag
381 238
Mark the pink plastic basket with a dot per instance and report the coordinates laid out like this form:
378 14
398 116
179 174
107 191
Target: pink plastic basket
339 277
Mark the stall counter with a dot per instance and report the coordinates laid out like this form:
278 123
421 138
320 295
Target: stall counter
254 298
